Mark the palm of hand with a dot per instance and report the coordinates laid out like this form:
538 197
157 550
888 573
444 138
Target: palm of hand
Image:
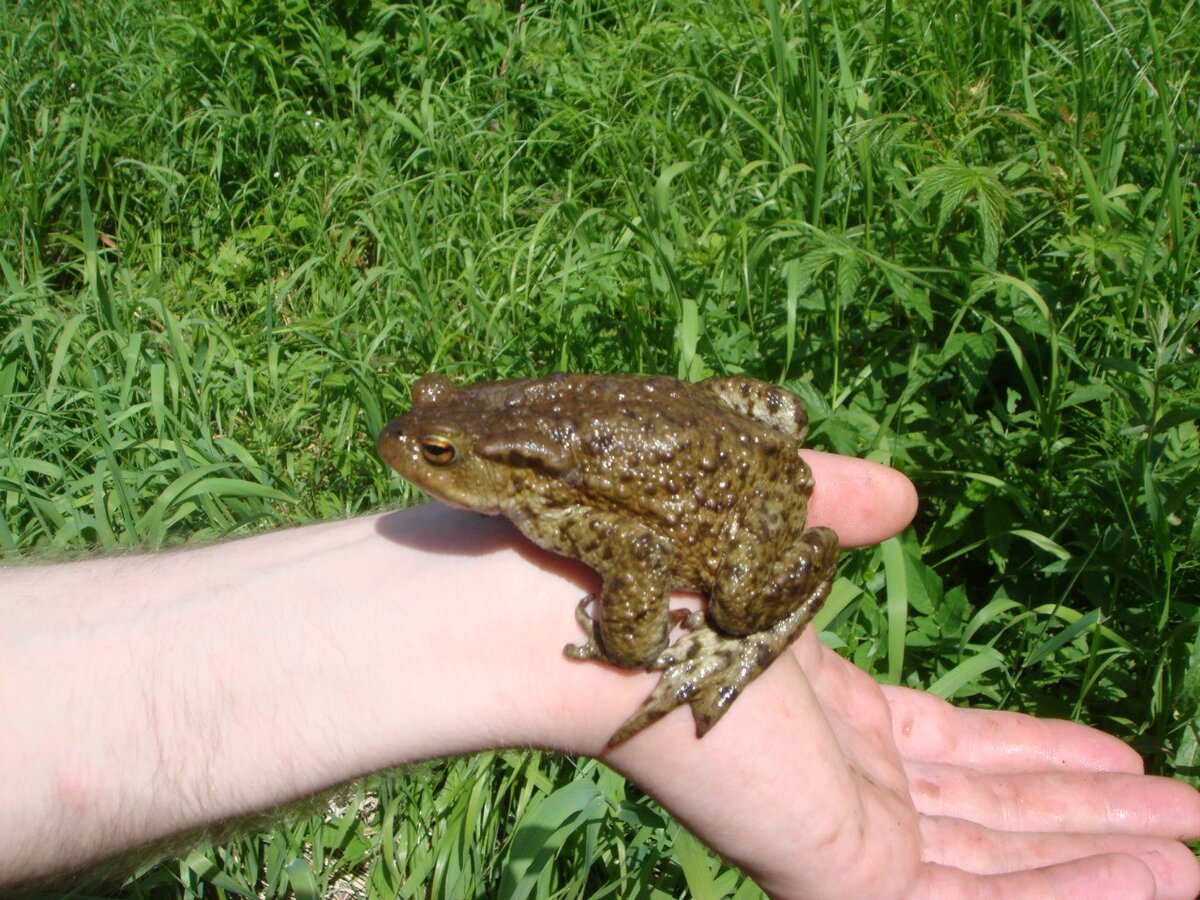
826 784
922 799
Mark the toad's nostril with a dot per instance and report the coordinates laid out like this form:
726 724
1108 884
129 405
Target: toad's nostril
390 436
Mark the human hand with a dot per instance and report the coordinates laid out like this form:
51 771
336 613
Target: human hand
817 782
822 783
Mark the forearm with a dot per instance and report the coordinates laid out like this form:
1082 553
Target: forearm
151 695
144 696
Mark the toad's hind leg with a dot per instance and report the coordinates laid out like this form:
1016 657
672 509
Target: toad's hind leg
766 403
709 669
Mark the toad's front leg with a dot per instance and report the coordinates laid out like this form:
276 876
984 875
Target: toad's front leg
631 622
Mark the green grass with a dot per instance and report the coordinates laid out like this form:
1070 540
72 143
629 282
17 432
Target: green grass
966 234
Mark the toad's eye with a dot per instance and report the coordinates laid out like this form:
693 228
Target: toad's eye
437 450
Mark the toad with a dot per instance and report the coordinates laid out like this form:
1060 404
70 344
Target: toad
656 484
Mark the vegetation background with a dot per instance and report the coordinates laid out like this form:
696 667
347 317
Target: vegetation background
965 233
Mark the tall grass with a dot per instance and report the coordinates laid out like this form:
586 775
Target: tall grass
966 234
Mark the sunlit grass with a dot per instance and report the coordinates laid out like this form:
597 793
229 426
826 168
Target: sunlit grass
233 234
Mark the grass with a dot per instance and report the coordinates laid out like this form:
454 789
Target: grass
966 234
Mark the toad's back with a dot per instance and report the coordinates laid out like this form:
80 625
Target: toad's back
676 457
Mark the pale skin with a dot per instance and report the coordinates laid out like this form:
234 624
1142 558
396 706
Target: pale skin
146 696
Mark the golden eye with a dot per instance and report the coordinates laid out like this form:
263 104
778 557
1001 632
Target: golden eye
437 450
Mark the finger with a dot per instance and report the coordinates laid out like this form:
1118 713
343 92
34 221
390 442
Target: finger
985 851
1111 803
930 729
862 501
1111 875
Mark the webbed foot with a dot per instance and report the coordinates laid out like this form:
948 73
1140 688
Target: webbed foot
709 670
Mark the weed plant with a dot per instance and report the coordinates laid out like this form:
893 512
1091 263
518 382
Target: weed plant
233 233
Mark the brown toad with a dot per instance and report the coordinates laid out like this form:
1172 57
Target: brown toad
656 484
